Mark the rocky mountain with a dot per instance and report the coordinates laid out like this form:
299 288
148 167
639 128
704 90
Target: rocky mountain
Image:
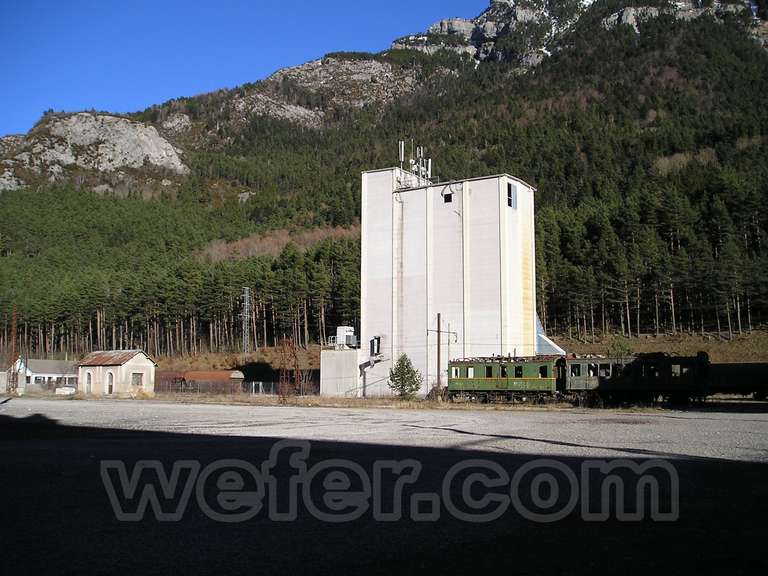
508 30
151 151
642 126
527 31
107 151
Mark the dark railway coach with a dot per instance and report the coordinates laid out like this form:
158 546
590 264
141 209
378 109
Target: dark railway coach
641 378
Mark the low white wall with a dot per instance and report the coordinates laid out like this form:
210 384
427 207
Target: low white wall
339 373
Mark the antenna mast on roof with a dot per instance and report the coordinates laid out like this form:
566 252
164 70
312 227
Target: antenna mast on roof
418 163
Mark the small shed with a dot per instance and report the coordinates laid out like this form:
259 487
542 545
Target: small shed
117 372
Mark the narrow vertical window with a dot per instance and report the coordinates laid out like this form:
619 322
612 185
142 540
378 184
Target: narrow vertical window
511 196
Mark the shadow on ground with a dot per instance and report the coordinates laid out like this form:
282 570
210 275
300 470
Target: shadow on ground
58 519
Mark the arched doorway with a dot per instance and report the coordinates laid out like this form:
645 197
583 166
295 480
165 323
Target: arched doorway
110 383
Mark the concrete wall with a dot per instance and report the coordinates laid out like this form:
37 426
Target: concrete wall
339 373
471 259
120 376
376 265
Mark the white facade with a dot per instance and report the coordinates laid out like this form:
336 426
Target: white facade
339 373
465 250
33 375
117 373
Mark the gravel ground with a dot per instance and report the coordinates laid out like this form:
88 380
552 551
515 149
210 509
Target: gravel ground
740 433
57 517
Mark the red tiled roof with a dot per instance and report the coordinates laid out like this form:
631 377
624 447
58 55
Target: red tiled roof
109 358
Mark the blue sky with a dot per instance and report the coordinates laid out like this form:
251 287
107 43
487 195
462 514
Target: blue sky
123 56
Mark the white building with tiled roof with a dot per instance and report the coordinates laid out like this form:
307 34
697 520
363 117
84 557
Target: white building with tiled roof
116 372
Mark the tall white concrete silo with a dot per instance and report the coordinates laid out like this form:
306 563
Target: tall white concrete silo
464 250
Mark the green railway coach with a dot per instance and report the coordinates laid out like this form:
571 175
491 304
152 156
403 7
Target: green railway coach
508 379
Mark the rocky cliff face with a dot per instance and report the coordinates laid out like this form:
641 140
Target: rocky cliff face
328 82
518 30
682 10
61 146
526 31
355 82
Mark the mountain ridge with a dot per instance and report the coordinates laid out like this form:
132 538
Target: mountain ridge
149 149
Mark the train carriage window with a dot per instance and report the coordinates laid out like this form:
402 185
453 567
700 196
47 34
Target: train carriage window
543 371
455 372
471 372
605 370
617 369
676 370
518 371
592 370
575 370
489 371
504 373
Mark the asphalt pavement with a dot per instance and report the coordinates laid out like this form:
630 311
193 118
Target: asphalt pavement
332 491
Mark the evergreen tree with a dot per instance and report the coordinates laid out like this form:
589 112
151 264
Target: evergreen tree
404 379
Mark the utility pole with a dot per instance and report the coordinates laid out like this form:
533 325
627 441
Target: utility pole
13 374
246 322
284 387
439 346
440 333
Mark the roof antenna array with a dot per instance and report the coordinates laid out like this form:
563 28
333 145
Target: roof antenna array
420 165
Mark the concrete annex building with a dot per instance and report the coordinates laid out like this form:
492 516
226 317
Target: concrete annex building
464 249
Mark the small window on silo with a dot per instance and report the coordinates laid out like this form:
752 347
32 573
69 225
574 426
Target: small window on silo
447 198
511 196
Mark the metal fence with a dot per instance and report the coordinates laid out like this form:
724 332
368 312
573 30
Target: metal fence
220 388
